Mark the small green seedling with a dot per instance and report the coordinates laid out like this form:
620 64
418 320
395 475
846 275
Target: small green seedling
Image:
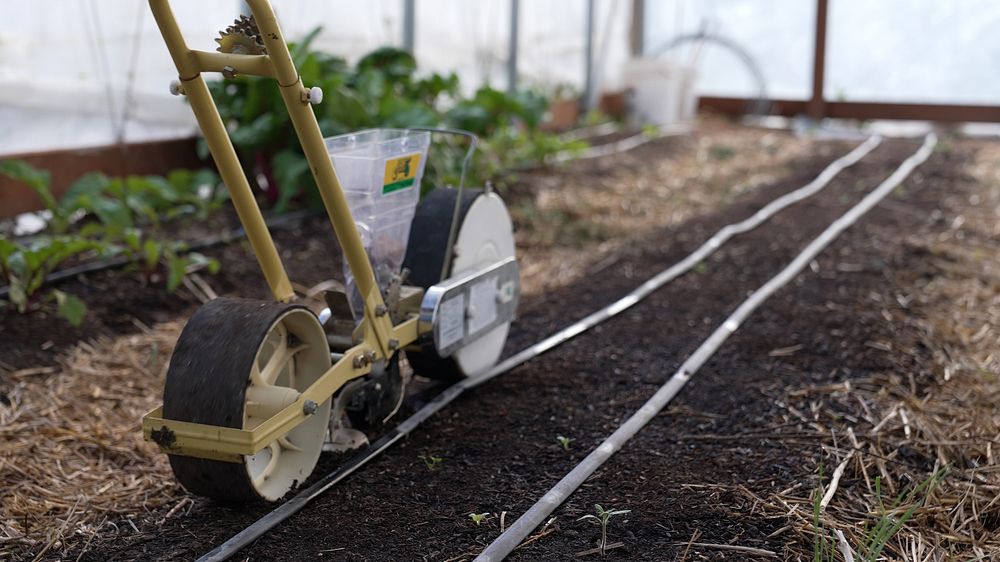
431 461
477 518
602 518
564 441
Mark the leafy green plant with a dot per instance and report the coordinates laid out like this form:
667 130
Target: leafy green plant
118 206
40 181
25 266
602 518
564 441
430 461
153 255
120 203
381 90
478 518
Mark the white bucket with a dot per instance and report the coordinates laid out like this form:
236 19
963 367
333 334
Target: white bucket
661 91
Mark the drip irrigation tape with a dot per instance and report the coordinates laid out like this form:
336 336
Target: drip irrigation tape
300 500
536 514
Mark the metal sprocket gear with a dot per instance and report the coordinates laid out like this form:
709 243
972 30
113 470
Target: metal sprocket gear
241 38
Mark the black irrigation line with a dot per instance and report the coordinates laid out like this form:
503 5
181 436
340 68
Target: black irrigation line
282 512
277 222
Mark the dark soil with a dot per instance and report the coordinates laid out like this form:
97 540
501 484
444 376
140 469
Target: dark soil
683 472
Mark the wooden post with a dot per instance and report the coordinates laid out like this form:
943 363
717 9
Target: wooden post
817 106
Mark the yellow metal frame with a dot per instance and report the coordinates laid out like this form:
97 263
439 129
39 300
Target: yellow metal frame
380 338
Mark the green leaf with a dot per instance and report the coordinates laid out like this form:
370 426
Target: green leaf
87 187
391 62
18 295
300 49
70 308
21 171
176 271
201 149
291 172
7 248
112 213
210 264
18 263
151 250
132 239
262 130
38 180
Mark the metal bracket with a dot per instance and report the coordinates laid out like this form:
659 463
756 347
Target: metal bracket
459 310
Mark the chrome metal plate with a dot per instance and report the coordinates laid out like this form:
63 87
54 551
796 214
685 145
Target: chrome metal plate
457 311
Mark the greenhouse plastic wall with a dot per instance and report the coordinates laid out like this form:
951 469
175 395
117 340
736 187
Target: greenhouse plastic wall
777 34
110 68
913 51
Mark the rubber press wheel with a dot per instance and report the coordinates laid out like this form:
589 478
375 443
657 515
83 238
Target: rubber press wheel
236 363
485 235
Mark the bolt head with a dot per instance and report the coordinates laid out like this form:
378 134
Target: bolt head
310 407
380 310
229 72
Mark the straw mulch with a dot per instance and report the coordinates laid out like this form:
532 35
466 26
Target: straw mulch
899 430
72 460
606 204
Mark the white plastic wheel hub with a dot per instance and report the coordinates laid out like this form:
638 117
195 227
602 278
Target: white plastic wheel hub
292 356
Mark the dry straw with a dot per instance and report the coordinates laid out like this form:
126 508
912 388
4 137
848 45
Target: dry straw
892 431
72 459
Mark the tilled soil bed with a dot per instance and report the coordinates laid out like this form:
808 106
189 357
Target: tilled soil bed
681 478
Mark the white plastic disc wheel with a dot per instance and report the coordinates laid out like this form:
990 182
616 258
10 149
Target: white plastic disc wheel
485 235
236 364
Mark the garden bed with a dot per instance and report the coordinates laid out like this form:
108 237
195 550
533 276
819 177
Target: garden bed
588 233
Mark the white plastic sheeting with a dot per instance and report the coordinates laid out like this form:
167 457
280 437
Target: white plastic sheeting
887 50
78 73
91 72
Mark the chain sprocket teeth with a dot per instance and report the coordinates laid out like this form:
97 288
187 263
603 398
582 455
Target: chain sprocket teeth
241 38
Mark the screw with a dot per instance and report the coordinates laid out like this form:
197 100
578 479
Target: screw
394 344
229 72
310 407
381 309
361 361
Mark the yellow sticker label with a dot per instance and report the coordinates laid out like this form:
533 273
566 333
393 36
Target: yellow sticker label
400 173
